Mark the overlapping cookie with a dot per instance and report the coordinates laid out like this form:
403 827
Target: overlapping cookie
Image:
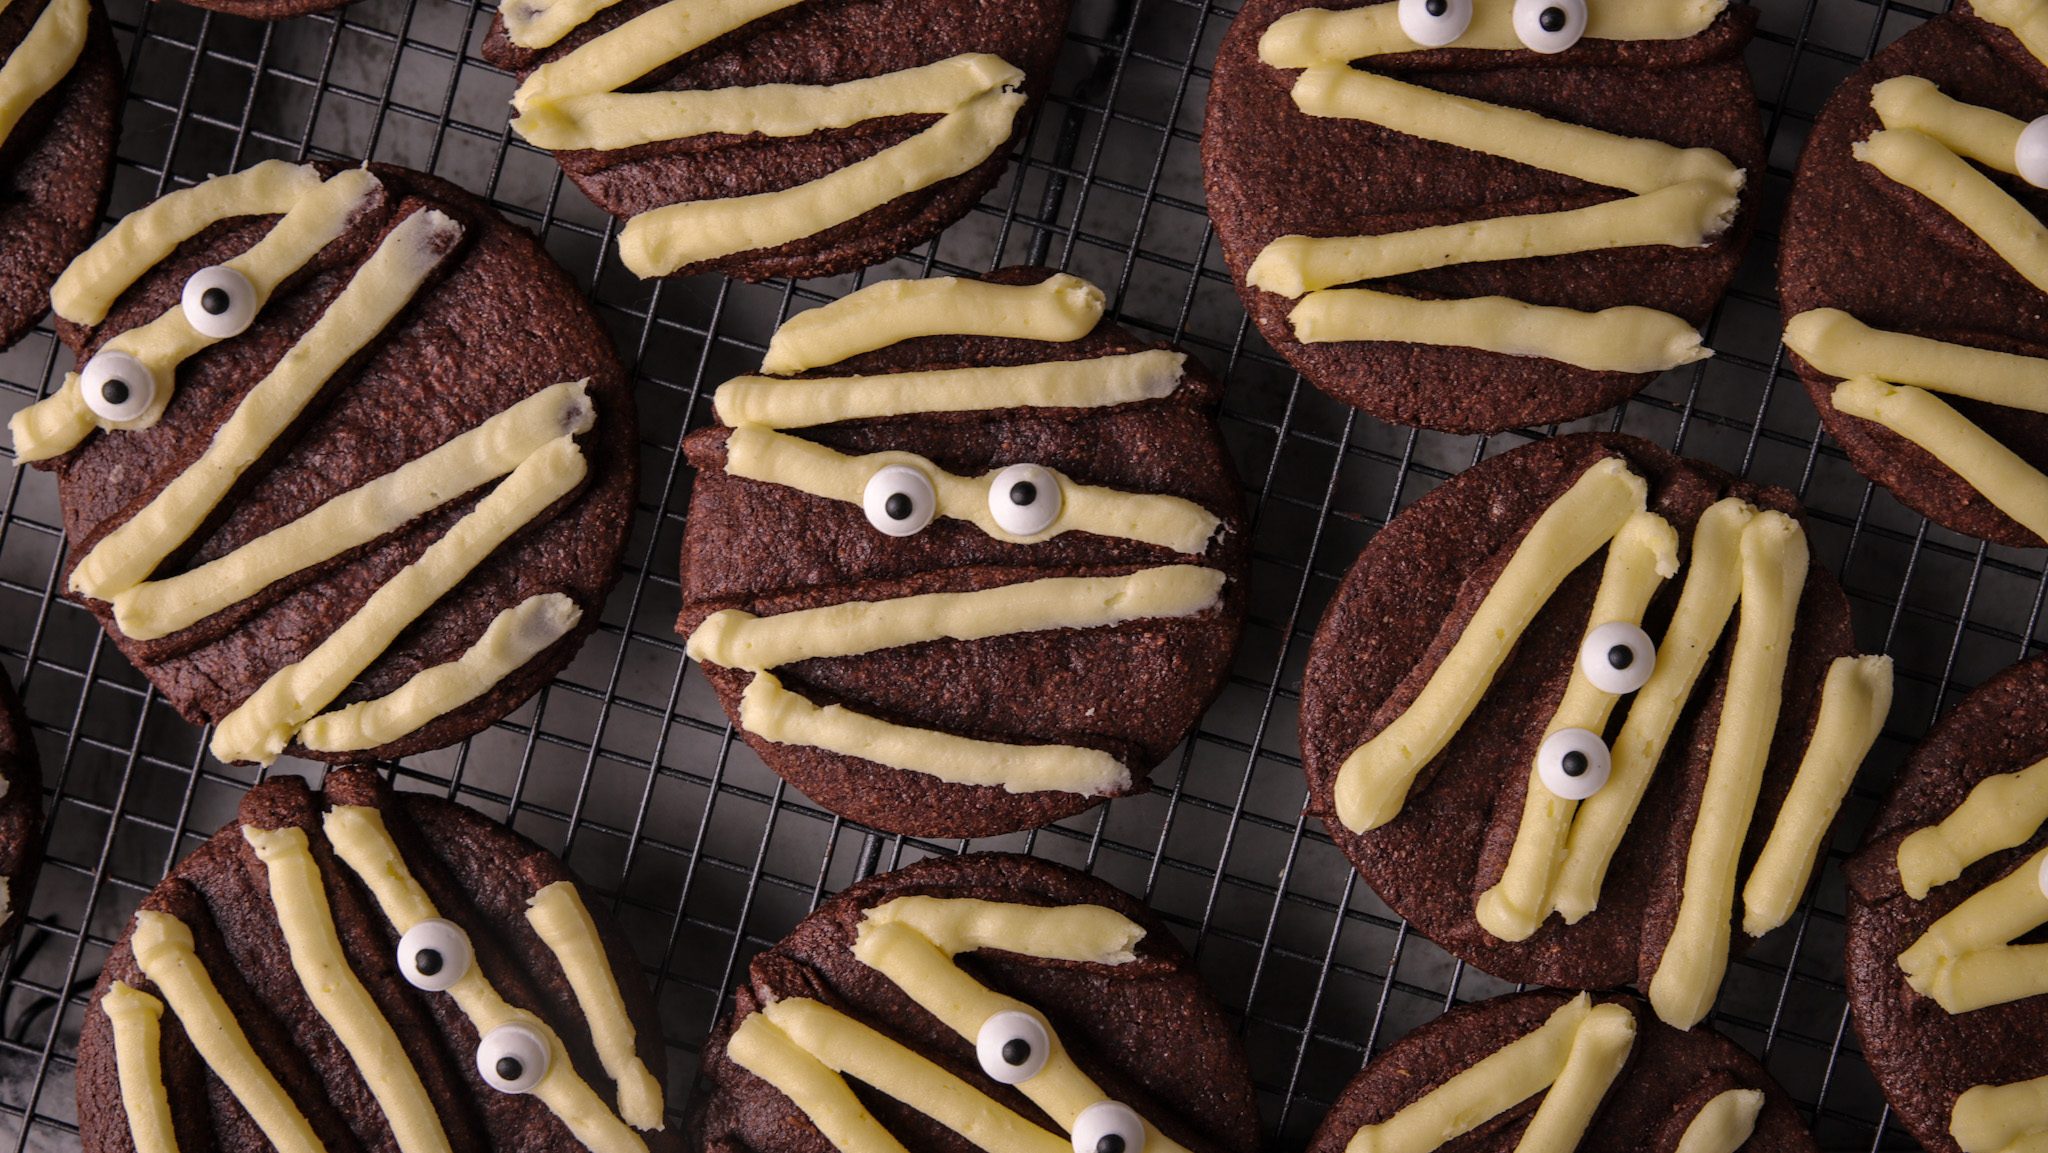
21 813
767 138
347 463
970 559
1472 215
1583 709
991 1001
1946 955
360 969
1914 270
1559 1073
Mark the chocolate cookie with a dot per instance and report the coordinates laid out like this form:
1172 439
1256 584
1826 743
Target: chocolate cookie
1612 1080
1495 739
1947 901
360 969
771 137
21 813
1940 334
1029 1004
348 464
1534 204
60 114
972 562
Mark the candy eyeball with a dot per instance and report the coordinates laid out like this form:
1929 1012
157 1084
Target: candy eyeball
1573 763
1435 23
1617 657
116 386
2031 157
900 500
1550 26
434 954
512 1058
219 302
1109 1127
1012 1046
1025 499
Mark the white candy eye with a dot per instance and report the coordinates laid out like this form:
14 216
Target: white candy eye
899 500
434 954
1025 499
1617 657
512 1058
1435 23
1109 1127
1550 25
2031 158
1573 763
1012 1046
219 302
116 386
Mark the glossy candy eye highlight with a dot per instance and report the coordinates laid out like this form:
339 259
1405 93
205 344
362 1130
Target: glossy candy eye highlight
899 500
219 302
512 1058
1549 26
1109 1127
1025 499
434 954
1617 657
1435 23
116 386
2031 157
1573 763
1012 1047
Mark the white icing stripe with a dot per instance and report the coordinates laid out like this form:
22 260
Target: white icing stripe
762 1048
1094 934
1965 961
2012 485
1985 135
43 58
540 23
559 918
135 1018
1103 382
2028 20
1838 344
1724 1124
637 47
1059 309
2000 813
2002 1118
1923 164
1320 35
1623 339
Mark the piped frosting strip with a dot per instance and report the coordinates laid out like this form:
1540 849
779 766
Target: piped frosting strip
2000 813
42 60
136 1020
1060 309
563 923
1101 382
2009 1118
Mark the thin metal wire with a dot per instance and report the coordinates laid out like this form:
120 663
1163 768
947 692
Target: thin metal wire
626 764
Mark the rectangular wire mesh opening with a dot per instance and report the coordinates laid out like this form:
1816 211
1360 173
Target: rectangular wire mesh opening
626 764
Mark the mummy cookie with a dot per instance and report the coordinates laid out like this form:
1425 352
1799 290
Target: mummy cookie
1482 743
361 969
1914 270
21 813
1558 1072
776 137
1477 214
964 559
346 465
1017 1003
60 114
1948 899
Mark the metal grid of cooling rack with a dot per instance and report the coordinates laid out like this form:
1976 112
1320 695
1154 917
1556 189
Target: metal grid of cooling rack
626 764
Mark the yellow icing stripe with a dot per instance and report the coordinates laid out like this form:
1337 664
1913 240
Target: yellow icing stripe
260 726
1724 1124
136 1018
1091 933
1774 564
1624 339
741 640
513 638
772 457
1642 556
53 425
1985 135
2028 20
1712 584
299 898
43 58
773 713
2000 813
1099 383
361 841
164 952
1922 164
141 240
558 916
1322 36
1854 701
540 23
1964 962
357 517
2002 1118
380 289
1986 977
2014 487
1373 783
633 49
1838 344
1060 308
1685 215
1599 1049
663 240
761 1047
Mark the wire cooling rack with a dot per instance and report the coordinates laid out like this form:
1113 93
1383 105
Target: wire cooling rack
626 763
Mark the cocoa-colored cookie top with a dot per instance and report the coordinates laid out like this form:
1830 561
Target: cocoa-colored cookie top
1144 1031
21 813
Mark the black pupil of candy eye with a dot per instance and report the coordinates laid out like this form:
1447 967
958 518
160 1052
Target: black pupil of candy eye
1621 656
1552 19
510 1069
899 506
427 961
1575 764
1110 1143
215 301
1016 1051
1437 7
1023 492
115 390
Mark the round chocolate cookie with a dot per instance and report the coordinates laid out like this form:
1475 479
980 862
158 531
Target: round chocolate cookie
1671 1082
1359 167
57 154
883 121
1861 248
1612 715
348 464
21 813
1001 990
1964 831
1051 611
364 969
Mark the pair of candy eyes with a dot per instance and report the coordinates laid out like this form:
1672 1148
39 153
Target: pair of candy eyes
1013 1047
1024 500
434 955
1617 658
1546 26
218 303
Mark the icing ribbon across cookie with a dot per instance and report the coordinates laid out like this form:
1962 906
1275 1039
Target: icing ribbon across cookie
575 102
42 60
807 1049
1678 197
